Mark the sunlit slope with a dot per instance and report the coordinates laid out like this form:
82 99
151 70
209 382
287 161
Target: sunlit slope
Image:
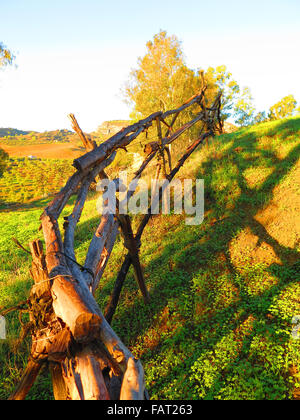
223 294
43 151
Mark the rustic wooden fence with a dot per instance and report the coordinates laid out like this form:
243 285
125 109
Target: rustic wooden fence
68 330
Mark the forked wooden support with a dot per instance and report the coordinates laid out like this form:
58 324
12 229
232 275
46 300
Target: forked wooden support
86 357
131 245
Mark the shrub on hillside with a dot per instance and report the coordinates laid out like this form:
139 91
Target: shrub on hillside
3 161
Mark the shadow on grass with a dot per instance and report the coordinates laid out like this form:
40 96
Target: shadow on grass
188 252
195 251
16 206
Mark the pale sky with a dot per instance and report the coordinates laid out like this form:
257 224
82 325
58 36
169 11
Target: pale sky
75 55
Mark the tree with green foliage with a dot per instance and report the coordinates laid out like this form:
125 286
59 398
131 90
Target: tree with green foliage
236 102
162 80
6 56
284 108
260 117
220 79
244 109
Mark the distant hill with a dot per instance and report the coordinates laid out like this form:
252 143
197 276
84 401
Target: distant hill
13 137
4 132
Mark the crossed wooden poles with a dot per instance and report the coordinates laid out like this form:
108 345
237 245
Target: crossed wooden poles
86 358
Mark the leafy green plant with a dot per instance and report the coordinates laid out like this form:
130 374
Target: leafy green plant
219 322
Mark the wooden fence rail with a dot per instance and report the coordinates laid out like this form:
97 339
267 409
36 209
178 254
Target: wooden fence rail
68 330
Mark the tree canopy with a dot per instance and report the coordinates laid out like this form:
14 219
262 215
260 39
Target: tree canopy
220 79
284 108
163 81
6 56
244 108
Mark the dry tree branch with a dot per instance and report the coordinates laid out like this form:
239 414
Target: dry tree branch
87 358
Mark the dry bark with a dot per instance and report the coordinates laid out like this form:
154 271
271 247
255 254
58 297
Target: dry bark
29 376
87 359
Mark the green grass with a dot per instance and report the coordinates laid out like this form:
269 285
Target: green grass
220 320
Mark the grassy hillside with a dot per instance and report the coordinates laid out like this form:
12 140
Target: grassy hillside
223 294
7 132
